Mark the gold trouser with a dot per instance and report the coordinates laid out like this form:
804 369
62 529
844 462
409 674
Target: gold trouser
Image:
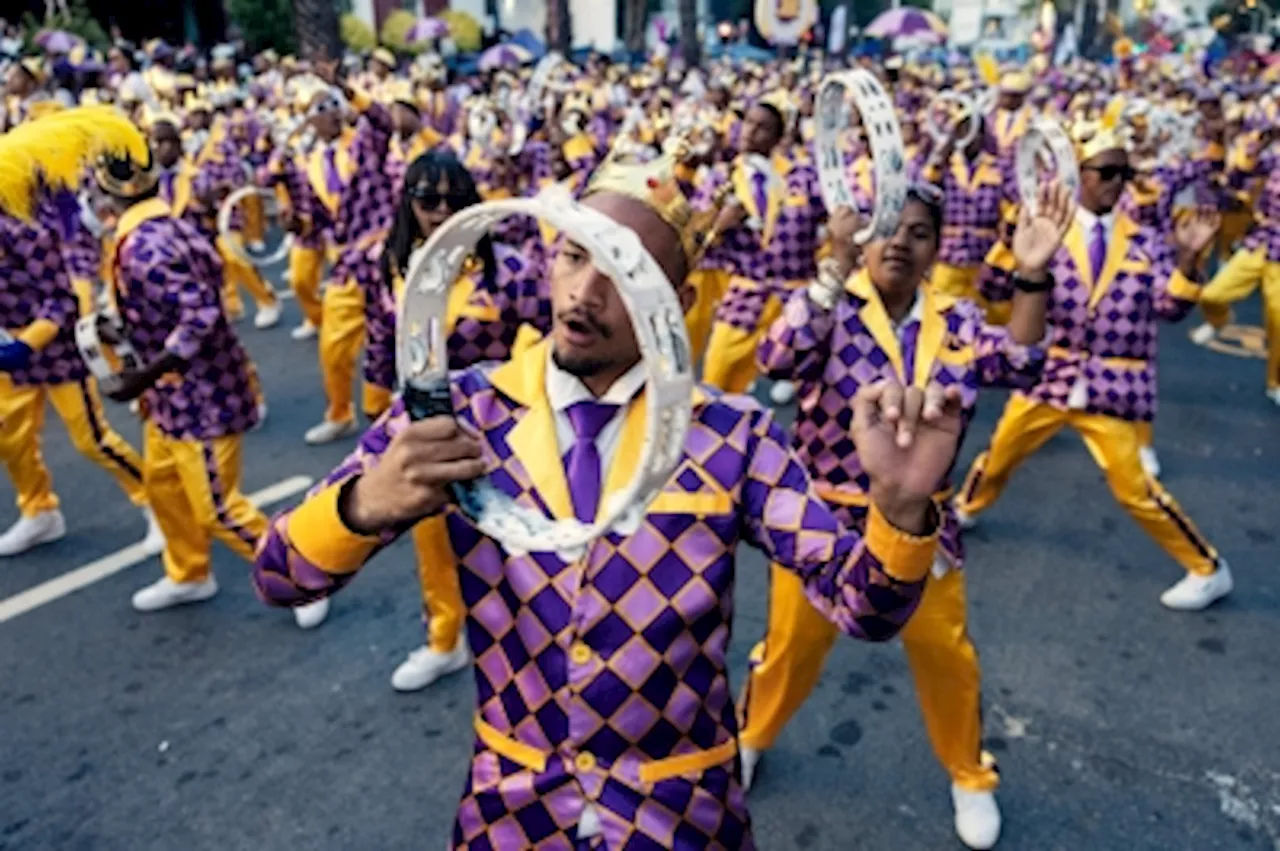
194 488
1026 425
255 218
786 665
442 609
80 408
709 286
237 272
341 336
306 271
1146 433
1242 274
962 282
84 295
730 362
1235 224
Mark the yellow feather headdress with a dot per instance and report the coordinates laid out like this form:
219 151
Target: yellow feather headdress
57 149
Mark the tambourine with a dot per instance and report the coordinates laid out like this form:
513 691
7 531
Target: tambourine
538 82
271 203
1045 136
656 316
887 150
1181 131
105 361
966 111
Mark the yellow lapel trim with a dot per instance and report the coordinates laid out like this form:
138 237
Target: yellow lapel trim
777 194
630 443
1121 236
933 330
742 188
1079 252
533 438
132 218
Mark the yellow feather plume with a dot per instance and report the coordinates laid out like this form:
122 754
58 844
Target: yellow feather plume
57 149
988 69
1111 115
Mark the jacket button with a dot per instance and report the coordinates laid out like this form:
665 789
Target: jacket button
584 762
579 653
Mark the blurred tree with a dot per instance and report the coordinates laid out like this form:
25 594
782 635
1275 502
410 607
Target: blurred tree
316 24
264 23
690 44
559 26
357 34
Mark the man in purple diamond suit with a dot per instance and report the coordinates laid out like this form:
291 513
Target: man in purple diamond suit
1114 280
605 719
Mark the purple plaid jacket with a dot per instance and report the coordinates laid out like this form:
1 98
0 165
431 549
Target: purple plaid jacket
60 210
1104 330
483 322
781 252
975 197
603 680
167 282
34 286
831 354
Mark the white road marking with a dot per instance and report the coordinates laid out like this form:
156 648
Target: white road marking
95 571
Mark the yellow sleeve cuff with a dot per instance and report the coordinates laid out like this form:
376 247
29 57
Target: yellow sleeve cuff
318 534
904 557
1001 257
38 334
1182 288
360 101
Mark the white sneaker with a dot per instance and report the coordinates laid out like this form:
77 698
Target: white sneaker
749 759
977 818
44 528
965 520
1274 394
257 246
1195 592
424 666
782 392
311 615
1150 461
166 594
154 542
305 331
1203 334
329 431
267 317
262 415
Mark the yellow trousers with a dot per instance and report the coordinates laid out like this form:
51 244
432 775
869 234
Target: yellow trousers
442 609
80 408
730 362
341 336
785 668
1027 425
255 218
709 286
1235 224
238 272
1242 274
84 295
194 489
306 271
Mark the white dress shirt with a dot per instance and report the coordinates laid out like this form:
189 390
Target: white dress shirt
564 390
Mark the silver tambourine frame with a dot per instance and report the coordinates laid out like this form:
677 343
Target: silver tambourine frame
887 150
1045 133
656 316
224 228
93 350
968 111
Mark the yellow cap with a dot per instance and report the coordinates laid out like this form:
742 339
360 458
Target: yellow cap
386 57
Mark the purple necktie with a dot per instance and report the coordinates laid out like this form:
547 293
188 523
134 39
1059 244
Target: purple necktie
166 185
909 340
759 180
332 179
582 464
1098 249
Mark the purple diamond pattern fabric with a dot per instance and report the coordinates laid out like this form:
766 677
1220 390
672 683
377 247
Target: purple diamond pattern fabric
167 280
972 211
1113 342
36 286
620 655
831 354
1266 233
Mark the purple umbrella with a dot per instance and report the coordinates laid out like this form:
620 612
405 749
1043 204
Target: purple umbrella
427 29
504 55
906 21
56 41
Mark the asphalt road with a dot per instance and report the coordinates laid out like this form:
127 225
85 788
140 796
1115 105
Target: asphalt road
1119 725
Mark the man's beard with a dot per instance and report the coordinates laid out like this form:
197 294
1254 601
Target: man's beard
580 367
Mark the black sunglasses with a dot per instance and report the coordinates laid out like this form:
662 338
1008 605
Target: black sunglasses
429 198
1111 172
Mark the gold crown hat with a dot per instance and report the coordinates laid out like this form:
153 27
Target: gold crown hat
55 151
1015 82
655 185
401 91
1093 138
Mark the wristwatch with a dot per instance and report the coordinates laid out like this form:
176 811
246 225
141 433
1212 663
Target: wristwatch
1026 285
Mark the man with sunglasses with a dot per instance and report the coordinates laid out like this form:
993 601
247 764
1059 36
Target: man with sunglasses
1113 280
